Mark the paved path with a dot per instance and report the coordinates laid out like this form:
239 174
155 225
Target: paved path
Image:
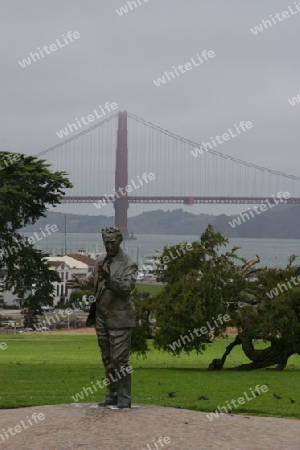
85 426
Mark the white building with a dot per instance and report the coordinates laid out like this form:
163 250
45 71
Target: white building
78 264
67 265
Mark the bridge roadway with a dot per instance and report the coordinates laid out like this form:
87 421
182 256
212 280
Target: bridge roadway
185 200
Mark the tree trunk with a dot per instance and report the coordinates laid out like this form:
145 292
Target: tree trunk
270 356
260 358
217 364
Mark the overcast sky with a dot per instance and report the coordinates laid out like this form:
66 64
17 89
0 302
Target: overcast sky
117 58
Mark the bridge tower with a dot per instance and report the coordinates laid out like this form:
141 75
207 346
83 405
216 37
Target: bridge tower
121 175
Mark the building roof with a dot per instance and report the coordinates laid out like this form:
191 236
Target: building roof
82 258
73 261
55 263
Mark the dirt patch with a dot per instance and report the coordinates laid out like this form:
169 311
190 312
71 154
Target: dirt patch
87 330
231 331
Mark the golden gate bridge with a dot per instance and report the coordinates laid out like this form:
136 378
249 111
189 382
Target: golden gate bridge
100 174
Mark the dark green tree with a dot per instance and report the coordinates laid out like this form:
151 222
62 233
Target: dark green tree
209 282
27 188
142 331
77 295
198 285
270 312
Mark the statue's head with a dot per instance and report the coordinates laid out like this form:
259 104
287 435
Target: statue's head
112 239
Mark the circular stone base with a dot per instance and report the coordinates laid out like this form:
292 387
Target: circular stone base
96 406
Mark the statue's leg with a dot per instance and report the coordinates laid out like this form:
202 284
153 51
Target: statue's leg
105 347
120 351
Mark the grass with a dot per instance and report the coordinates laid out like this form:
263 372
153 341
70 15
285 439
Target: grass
50 369
151 288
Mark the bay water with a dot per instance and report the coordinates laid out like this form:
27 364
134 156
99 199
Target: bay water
272 252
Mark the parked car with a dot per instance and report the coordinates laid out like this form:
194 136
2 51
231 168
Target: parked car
11 324
47 308
149 276
6 323
29 311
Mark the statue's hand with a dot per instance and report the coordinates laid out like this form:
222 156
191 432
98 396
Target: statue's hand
73 283
103 273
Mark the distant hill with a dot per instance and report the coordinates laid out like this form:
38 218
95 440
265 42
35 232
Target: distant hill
280 222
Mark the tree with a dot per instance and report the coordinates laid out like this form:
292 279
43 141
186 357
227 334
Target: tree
208 288
81 299
27 188
271 317
77 295
140 334
198 285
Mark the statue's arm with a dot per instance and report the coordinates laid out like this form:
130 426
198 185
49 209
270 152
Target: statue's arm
88 281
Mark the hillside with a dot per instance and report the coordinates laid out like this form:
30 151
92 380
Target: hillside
282 222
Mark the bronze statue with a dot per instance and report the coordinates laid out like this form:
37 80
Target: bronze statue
113 314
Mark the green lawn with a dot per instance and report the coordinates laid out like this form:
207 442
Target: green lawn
49 369
151 288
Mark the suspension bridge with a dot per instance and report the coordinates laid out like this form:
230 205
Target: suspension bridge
125 159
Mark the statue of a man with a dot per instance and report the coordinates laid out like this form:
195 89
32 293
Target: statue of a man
113 280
